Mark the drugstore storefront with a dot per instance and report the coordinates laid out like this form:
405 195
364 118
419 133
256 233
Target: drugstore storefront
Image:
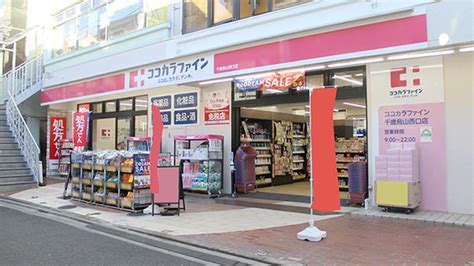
411 95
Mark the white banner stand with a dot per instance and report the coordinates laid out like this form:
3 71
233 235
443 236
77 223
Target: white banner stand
311 233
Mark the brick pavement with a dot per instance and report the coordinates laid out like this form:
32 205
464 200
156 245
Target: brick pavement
354 240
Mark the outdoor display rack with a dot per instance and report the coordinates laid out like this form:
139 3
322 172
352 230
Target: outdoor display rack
66 146
109 178
201 160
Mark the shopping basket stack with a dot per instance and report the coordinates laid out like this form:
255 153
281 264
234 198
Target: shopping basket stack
357 182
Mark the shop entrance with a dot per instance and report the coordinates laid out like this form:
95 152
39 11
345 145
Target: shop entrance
277 127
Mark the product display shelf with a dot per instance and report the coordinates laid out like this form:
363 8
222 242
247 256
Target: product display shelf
282 153
66 147
298 151
348 151
202 162
104 187
258 134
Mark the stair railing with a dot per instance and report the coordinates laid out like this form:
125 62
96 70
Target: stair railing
23 136
27 79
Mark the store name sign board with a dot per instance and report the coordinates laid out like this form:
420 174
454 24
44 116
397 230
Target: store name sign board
408 81
186 100
270 82
170 73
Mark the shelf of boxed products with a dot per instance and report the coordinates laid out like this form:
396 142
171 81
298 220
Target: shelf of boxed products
105 187
202 176
264 181
66 146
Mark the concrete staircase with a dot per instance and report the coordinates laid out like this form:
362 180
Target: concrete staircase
14 172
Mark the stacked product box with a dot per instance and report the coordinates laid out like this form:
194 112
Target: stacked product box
400 164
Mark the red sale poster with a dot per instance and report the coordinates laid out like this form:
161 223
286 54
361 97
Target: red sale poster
217 106
57 132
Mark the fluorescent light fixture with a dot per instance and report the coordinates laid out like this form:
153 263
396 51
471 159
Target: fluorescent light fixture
354 105
467 49
335 110
215 81
274 91
359 75
348 80
256 75
301 69
408 56
357 62
359 118
141 101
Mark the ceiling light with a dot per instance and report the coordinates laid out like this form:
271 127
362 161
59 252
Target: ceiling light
274 91
335 110
256 75
408 56
359 75
215 81
348 80
359 118
354 104
301 69
467 49
357 62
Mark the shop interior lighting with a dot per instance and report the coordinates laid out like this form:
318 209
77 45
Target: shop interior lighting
301 69
274 91
354 105
215 81
334 110
359 118
348 80
408 56
256 75
467 49
357 62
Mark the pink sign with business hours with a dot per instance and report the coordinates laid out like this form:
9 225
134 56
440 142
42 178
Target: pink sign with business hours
423 124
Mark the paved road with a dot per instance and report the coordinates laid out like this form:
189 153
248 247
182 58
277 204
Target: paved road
30 237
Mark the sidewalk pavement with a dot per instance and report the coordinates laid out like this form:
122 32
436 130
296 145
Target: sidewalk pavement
271 235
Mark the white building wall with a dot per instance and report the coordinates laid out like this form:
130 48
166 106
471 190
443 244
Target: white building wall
459 100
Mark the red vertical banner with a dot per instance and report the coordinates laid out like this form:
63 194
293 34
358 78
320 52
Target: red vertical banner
323 151
155 147
57 132
80 122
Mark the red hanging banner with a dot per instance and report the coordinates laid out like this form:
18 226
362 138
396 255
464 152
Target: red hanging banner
323 151
80 122
155 147
57 132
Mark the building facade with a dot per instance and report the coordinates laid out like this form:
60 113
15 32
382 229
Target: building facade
402 68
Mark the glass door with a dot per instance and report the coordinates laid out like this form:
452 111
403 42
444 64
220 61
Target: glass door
124 130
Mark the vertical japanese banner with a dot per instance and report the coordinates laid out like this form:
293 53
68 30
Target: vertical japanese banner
323 151
57 132
80 129
216 106
155 148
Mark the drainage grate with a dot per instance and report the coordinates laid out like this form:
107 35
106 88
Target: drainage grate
67 207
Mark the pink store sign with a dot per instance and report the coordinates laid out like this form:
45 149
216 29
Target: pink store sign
423 124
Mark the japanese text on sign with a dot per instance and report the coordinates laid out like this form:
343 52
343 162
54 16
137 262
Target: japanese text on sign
176 71
57 133
185 117
166 118
164 102
186 100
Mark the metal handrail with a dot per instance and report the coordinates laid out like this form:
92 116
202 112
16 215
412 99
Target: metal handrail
23 136
27 75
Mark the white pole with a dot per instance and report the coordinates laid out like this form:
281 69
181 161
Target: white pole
311 233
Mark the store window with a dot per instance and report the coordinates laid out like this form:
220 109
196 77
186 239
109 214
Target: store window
195 15
223 10
97 108
65 37
280 4
110 107
141 126
126 104
90 22
124 16
123 132
141 103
